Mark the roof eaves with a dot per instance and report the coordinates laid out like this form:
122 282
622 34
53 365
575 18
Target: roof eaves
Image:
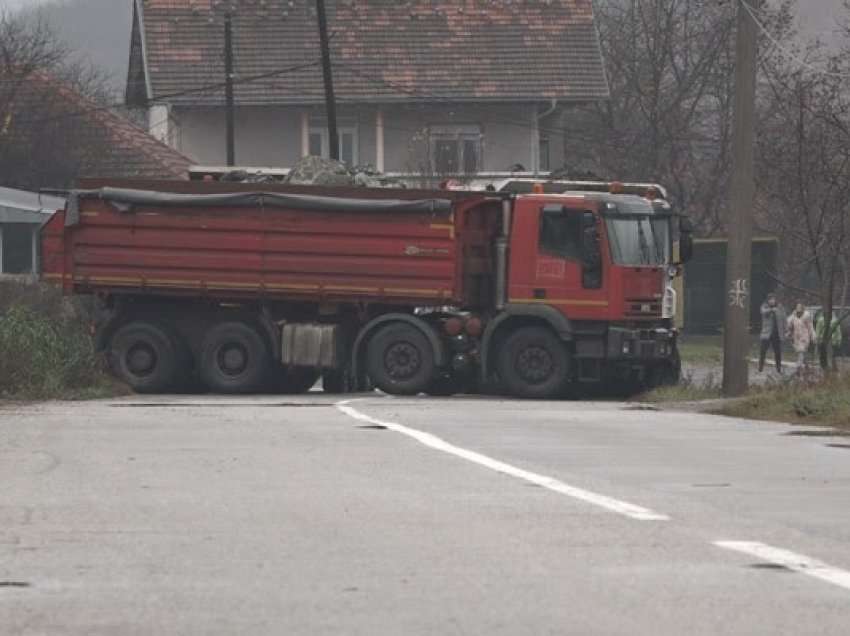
139 8
383 99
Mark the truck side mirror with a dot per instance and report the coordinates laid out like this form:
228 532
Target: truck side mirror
686 239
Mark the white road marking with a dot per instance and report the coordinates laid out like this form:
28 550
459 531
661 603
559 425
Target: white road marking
432 441
791 560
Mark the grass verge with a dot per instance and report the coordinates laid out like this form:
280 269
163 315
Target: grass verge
701 350
688 390
46 351
823 403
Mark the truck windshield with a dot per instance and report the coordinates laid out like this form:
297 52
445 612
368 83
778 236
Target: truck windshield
639 240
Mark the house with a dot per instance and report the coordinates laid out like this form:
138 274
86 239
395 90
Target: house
52 135
22 214
438 88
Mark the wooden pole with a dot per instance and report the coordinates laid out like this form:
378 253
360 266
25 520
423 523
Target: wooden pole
736 334
228 90
330 100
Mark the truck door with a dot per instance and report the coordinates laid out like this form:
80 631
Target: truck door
569 271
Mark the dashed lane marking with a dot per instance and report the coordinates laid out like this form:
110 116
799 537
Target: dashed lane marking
432 441
791 560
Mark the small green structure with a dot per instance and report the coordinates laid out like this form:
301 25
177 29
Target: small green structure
705 290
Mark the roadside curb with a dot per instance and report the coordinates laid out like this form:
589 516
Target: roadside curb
696 406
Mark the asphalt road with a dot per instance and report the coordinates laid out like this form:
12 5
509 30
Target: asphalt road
200 515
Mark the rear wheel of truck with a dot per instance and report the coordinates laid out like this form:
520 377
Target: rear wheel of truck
235 359
146 357
400 360
534 364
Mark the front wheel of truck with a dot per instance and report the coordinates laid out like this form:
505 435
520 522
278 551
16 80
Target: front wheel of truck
400 360
534 364
146 357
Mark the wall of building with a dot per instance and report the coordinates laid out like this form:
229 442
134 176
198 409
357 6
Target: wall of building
265 136
272 136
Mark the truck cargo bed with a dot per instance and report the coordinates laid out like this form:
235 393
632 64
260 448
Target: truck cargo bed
236 241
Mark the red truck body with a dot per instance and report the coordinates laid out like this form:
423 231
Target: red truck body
434 291
423 258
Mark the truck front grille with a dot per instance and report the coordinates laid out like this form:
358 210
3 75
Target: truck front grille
643 307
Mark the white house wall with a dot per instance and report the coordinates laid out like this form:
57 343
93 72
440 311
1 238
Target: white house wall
265 136
272 136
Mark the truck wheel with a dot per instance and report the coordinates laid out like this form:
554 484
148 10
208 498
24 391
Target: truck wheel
234 359
400 360
298 380
143 355
534 364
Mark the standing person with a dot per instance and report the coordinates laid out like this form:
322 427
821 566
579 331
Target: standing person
802 334
773 327
835 340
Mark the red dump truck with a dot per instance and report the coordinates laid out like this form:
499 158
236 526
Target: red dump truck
245 290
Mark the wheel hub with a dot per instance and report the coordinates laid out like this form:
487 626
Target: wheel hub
402 360
141 359
233 359
535 364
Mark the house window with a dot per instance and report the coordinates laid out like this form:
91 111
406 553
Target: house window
456 149
544 153
17 254
348 143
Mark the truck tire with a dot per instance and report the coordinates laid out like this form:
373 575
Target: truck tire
534 364
400 360
298 380
235 359
146 357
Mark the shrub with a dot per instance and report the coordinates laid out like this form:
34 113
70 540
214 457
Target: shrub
46 350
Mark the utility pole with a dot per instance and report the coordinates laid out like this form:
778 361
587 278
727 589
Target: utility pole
228 89
330 100
736 331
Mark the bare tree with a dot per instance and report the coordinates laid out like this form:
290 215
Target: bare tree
804 171
45 103
670 66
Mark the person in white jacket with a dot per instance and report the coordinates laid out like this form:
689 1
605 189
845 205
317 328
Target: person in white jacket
801 331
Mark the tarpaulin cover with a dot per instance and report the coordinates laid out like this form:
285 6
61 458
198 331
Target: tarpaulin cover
125 200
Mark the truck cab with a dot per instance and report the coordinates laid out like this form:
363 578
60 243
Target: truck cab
597 266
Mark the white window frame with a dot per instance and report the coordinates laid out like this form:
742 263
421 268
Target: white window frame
323 132
459 133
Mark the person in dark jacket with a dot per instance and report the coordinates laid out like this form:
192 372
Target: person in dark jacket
773 329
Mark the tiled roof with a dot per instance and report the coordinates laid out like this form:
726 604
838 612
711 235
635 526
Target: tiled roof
382 51
116 147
